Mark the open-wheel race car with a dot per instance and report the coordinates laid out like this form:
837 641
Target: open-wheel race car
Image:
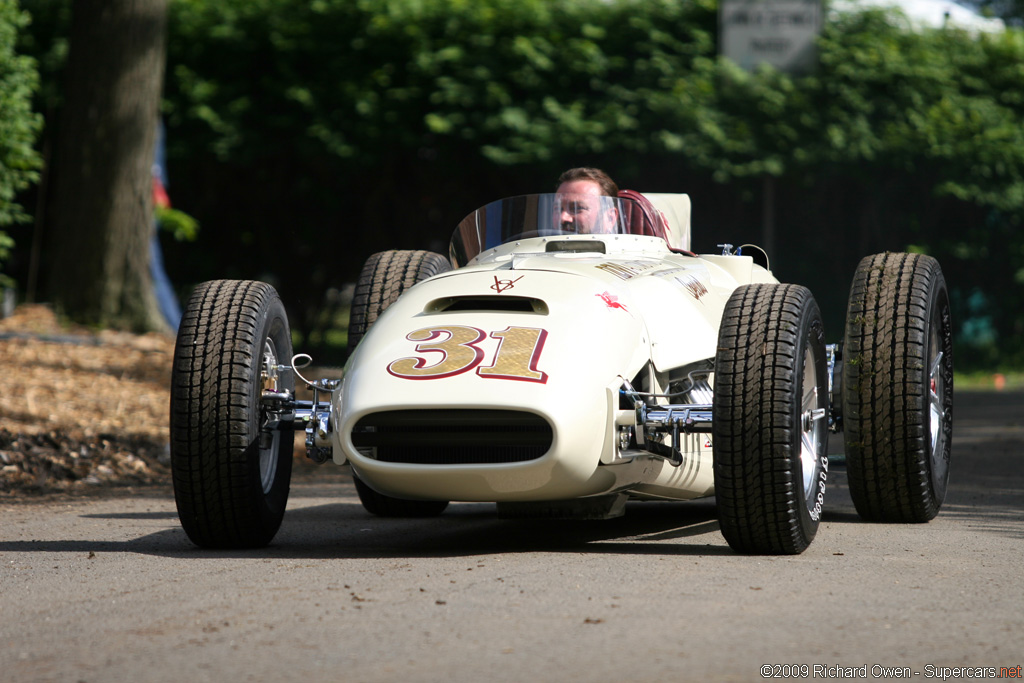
560 368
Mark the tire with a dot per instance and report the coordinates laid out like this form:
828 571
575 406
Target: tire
386 506
230 479
770 419
384 277
898 388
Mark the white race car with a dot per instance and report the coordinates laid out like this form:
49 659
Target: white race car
560 372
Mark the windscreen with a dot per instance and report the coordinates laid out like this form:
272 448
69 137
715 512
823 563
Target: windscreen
537 215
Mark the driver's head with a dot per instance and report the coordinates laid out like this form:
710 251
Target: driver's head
606 185
582 210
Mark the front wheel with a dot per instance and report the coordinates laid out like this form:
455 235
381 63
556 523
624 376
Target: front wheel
231 474
770 426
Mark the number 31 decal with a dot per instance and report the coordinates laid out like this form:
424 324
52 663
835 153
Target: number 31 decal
516 358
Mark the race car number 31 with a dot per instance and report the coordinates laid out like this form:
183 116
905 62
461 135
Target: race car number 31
454 349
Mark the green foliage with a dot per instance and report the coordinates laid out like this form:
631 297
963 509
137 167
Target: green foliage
6 244
519 80
529 82
942 101
406 103
184 227
306 134
19 162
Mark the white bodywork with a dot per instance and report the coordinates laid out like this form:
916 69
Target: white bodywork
579 324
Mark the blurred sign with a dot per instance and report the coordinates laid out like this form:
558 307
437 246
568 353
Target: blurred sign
776 32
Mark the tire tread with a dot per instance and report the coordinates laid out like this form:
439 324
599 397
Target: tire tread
212 382
755 426
383 278
885 351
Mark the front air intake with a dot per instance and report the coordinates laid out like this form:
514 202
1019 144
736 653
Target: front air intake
452 437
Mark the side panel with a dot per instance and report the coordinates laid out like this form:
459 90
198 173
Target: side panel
682 310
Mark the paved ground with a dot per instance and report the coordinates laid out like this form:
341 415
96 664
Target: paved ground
109 589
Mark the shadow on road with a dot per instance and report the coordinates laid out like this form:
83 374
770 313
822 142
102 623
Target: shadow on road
986 493
344 530
471 529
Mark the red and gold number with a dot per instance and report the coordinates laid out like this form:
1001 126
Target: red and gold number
518 351
457 346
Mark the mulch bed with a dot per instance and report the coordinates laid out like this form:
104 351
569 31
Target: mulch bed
80 409
85 412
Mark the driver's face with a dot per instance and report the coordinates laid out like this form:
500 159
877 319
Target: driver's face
580 211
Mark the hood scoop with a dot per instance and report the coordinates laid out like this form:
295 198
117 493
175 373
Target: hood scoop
487 304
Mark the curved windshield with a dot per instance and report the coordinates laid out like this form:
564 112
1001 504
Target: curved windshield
537 215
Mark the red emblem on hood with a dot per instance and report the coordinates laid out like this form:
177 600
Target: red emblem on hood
500 286
611 301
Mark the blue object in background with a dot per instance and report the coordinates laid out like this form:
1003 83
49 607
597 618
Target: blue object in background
170 308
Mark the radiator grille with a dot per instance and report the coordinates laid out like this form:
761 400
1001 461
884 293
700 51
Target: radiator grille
453 437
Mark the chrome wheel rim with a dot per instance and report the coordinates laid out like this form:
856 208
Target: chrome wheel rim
937 395
812 428
269 448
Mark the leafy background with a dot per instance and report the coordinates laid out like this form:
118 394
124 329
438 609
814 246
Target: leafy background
304 135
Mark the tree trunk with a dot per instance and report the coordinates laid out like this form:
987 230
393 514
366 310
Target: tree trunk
101 208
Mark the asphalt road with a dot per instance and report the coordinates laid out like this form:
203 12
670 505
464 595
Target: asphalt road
109 589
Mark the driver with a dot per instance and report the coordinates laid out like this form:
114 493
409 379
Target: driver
582 209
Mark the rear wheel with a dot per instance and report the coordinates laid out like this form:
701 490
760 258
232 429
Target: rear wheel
383 279
770 425
898 388
231 476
